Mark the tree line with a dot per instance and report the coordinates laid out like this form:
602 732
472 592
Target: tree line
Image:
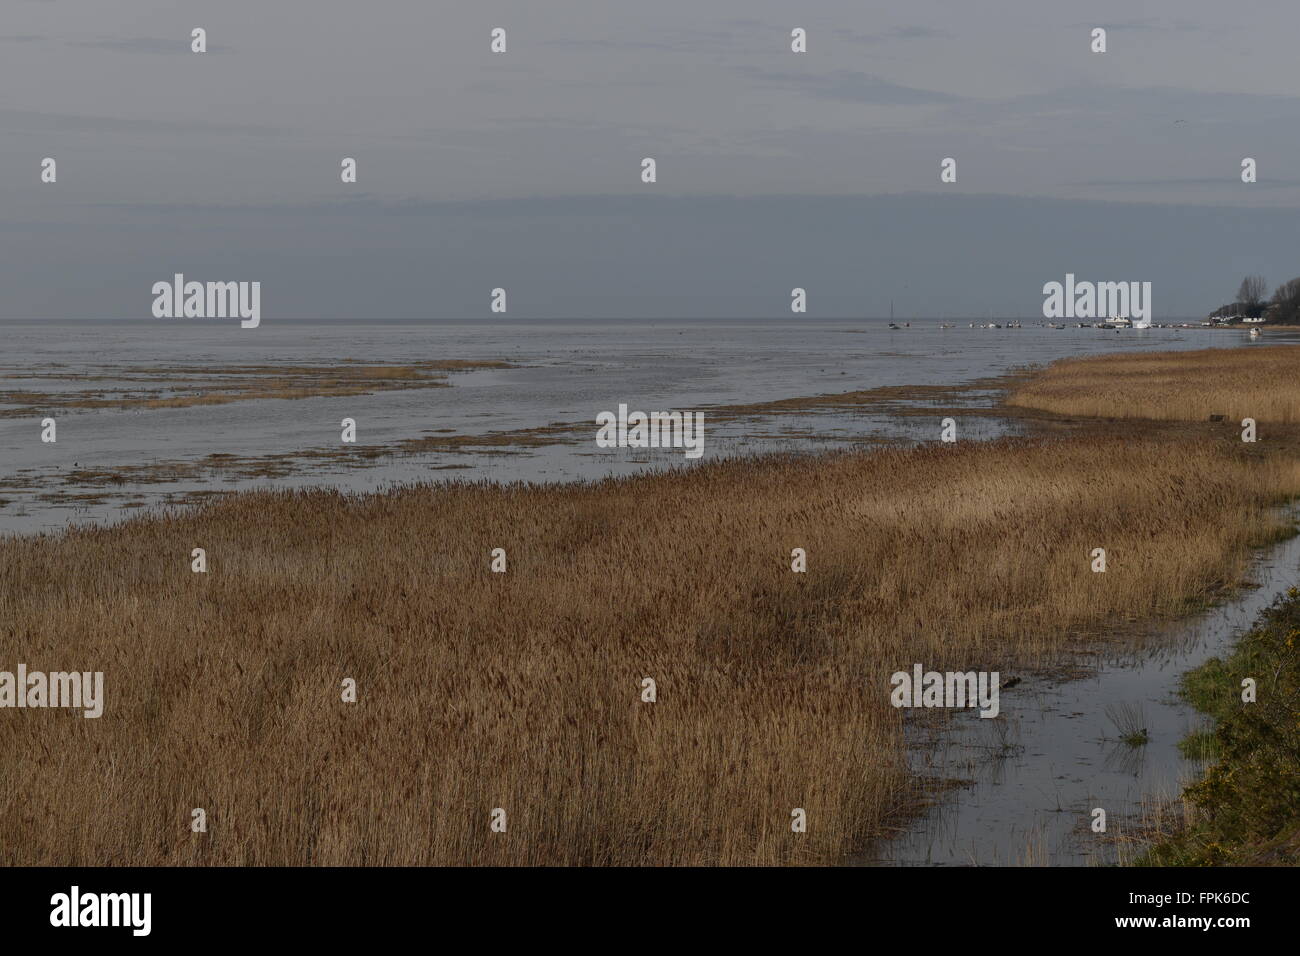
1253 301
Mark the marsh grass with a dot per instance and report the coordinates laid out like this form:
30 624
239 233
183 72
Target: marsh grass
1259 382
1245 809
185 387
521 690
1129 718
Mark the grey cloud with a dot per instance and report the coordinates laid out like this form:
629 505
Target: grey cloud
37 121
615 257
1145 24
700 39
151 45
1156 106
852 87
897 33
605 44
1221 182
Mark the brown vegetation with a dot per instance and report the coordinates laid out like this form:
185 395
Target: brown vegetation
183 387
522 690
1259 382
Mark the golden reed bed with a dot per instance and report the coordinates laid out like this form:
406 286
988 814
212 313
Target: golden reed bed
1259 382
522 690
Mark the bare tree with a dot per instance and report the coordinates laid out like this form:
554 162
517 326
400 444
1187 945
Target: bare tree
1253 291
1286 301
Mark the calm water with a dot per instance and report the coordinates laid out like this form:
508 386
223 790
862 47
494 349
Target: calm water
568 373
1036 771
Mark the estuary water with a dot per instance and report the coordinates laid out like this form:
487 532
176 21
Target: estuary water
564 372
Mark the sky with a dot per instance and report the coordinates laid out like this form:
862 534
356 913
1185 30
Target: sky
522 170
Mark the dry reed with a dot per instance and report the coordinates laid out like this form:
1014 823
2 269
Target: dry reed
1259 382
522 690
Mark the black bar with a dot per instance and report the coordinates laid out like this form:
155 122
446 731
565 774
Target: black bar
634 907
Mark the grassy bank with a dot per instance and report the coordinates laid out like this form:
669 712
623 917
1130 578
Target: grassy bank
522 690
1246 809
1259 382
